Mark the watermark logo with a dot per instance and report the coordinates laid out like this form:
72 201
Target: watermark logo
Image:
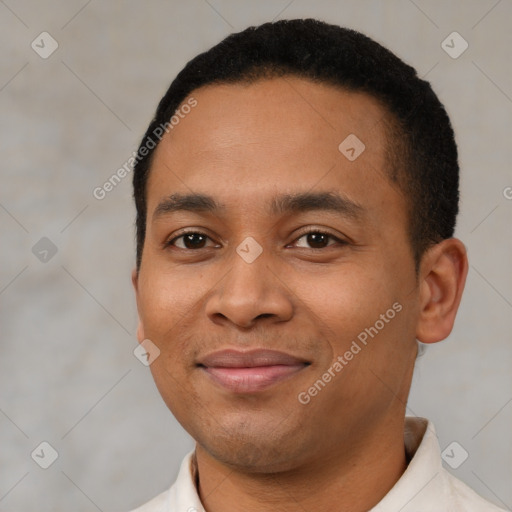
146 352
44 250
249 249
351 147
44 455
44 45
454 45
454 455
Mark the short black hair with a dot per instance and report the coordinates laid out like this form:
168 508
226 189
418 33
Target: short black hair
421 150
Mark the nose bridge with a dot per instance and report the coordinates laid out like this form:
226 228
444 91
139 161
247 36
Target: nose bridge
247 282
249 289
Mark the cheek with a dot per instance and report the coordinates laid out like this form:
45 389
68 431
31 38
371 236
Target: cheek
166 297
346 300
364 321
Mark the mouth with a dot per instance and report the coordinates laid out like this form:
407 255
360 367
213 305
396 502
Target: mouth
252 371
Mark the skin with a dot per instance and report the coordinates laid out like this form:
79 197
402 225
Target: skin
242 145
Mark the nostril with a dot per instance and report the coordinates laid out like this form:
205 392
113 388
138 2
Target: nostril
265 315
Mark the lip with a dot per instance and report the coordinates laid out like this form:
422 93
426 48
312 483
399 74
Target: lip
250 371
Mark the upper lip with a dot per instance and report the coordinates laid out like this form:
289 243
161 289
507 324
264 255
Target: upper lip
231 358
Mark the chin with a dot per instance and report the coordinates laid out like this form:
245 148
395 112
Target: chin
253 459
250 448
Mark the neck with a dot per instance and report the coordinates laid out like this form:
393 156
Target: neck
355 479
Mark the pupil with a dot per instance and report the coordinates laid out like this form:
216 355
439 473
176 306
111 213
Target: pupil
193 240
317 238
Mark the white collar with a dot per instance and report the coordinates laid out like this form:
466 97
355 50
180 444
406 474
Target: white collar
425 486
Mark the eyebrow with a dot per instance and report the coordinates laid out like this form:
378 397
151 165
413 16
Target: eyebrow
279 205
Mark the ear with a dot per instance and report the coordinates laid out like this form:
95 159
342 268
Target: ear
140 326
443 272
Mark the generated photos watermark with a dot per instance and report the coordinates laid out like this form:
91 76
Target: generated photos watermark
152 140
304 397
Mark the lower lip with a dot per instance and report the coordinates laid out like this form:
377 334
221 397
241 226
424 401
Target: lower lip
249 380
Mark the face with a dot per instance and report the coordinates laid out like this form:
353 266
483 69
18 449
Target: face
277 279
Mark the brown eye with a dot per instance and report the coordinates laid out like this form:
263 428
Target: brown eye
317 240
191 241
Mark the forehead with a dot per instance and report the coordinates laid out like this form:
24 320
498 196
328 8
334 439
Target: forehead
279 111
246 141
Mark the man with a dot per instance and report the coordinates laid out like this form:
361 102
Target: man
296 196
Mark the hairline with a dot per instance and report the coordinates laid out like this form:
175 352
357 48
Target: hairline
395 149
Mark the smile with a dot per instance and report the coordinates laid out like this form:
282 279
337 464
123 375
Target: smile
249 372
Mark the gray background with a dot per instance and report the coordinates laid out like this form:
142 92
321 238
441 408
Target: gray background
67 369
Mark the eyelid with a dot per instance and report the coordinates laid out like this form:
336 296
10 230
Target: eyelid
323 231
169 242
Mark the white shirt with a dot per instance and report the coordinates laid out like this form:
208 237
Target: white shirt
425 486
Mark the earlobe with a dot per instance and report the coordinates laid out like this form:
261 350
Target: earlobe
135 280
443 275
140 332
140 326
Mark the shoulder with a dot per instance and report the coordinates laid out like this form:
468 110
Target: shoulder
157 504
463 498
181 496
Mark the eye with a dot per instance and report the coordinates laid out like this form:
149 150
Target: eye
318 239
190 240
314 239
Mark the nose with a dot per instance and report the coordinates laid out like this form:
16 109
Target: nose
250 293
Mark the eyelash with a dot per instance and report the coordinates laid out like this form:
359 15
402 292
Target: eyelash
170 243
